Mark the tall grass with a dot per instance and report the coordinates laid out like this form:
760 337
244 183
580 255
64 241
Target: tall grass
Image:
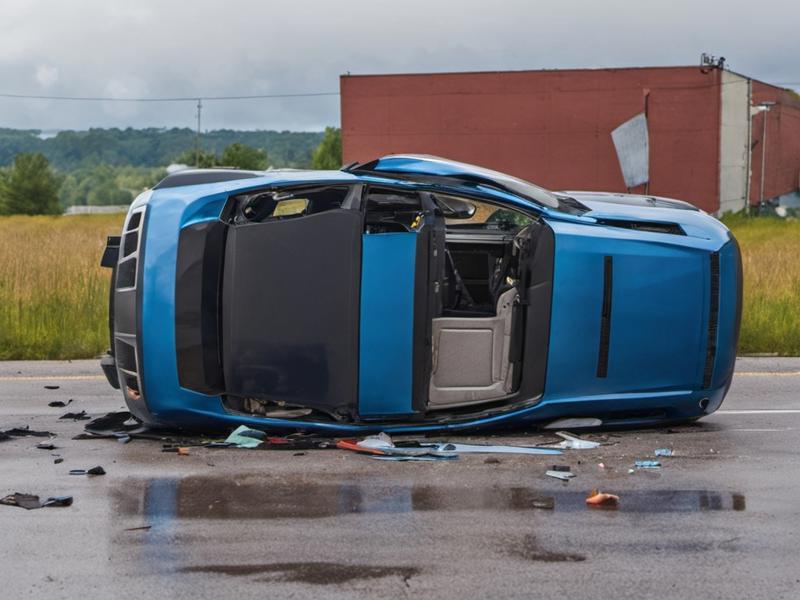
53 293
771 264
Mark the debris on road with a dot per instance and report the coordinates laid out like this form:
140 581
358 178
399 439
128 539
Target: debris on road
58 461
598 499
76 416
383 445
244 437
572 442
93 471
9 434
481 449
59 403
142 528
46 446
571 423
647 464
31 501
52 387
664 452
563 473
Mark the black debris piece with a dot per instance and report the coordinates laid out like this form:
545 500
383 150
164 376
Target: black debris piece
299 454
9 434
52 387
58 461
59 403
58 501
93 471
143 528
76 416
561 468
46 446
31 501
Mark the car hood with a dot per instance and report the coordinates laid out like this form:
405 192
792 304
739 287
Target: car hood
609 206
601 200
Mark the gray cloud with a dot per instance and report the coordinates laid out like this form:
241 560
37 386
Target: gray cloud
182 48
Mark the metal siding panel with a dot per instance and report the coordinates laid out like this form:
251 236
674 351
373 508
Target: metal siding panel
387 324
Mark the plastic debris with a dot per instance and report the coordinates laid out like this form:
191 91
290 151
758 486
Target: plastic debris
76 416
573 423
572 442
382 445
46 446
417 457
142 528
93 471
647 464
480 449
664 452
598 499
58 461
52 387
59 403
244 437
31 501
9 434
559 474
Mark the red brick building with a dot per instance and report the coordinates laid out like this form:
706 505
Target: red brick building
554 127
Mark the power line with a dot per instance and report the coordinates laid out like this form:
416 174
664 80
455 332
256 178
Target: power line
165 99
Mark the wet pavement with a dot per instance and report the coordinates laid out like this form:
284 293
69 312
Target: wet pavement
720 519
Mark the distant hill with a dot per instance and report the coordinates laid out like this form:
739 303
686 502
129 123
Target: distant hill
151 147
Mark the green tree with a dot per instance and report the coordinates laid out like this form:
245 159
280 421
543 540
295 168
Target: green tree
201 159
242 156
328 155
30 187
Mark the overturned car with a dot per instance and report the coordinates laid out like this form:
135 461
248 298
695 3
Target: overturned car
414 293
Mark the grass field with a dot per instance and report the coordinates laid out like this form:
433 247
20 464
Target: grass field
54 294
771 264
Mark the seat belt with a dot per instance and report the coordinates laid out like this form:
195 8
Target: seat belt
460 286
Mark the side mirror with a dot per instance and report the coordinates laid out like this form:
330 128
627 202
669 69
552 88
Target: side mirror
455 208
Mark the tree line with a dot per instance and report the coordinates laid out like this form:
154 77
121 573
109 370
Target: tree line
31 184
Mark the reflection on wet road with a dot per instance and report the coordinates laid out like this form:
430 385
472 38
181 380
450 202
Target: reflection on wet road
160 500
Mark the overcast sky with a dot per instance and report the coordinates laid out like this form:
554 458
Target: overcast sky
149 48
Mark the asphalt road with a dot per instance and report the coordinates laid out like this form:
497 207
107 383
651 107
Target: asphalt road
720 519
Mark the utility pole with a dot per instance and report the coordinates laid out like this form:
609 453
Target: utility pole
197 135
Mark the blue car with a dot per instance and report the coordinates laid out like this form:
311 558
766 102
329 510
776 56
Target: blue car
416 294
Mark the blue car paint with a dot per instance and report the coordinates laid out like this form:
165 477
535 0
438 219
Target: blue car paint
386 345
171 209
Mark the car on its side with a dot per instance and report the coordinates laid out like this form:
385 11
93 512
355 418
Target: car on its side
416 294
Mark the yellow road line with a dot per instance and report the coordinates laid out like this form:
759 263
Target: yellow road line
52 378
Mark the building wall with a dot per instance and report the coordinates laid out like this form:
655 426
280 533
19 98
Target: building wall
734 140
551 127
783 143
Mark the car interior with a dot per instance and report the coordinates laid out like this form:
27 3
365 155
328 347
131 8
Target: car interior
470 287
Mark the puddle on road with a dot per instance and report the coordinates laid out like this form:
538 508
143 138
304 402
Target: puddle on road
264 498
315 573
